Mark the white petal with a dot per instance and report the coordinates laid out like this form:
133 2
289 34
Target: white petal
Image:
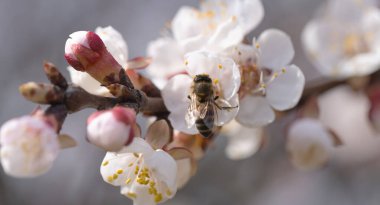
276 49
285 91
138 145
142 194
184 169
309 144
78 37
255 111
242 54
87 82
243 142
164 168
222 70
228 34
186 23
167 58
114 162
115 44
178 122
176 91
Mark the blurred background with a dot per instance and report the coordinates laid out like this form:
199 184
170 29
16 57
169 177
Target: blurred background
36 30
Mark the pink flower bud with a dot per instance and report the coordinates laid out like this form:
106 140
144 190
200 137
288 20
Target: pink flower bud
85 51
29 146
112 129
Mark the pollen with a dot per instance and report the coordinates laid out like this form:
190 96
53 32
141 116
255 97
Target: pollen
220 66
119 171
168 192
136 155
105 163
216 81
132 195
128 181
257 45
283 70
131 164
275 74
109 178
115 176
158 198
186 62
263 85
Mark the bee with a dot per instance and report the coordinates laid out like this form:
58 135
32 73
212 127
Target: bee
202 110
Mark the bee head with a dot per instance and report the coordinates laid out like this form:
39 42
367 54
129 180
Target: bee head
202 78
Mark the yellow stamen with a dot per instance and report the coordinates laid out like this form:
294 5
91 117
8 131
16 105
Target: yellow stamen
119 171
216 81
283 70
168 192
220 66
136 155
128 181
158 198
115 176
109 178
105 163
132 195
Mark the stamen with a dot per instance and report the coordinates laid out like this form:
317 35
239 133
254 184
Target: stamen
119 171
132 195
220 66
128 181
105 163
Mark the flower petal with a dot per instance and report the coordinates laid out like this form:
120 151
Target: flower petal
255 111
184 172
138 145
167 58
226 35
243 142
276 49
175 93
158 134
186 23
164 168
285 91
115 44
225 116
117 166
87 82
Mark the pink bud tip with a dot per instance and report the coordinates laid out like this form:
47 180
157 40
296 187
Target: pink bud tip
124 115
74 62
95 42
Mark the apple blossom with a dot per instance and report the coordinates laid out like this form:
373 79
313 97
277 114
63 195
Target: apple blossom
344 41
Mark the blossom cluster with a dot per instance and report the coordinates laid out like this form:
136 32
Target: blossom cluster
209 81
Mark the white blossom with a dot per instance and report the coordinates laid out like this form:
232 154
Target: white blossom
118 48
309 144
243 142
268 81
225 77
344 41
29 146
215 26
145 175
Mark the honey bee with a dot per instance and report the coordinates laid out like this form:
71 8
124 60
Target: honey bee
202 110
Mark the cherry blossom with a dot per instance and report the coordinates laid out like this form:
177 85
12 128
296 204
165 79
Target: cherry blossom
225 77
215 26
29 146
344 41
268 81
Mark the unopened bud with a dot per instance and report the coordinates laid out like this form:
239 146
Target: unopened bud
41 93
29 145
112 129
55 76
85 51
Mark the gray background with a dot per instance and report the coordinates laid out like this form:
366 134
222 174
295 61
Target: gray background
34 30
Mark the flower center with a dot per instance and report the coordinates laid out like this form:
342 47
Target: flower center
354 44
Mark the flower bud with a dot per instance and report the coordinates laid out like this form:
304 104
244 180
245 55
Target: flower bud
85 51
41 93
112 129
29 145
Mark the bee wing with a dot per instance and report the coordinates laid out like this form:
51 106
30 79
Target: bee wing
203 108
191 114
223 104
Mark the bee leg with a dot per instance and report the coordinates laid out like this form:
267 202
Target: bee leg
216 97
224 108
189 97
